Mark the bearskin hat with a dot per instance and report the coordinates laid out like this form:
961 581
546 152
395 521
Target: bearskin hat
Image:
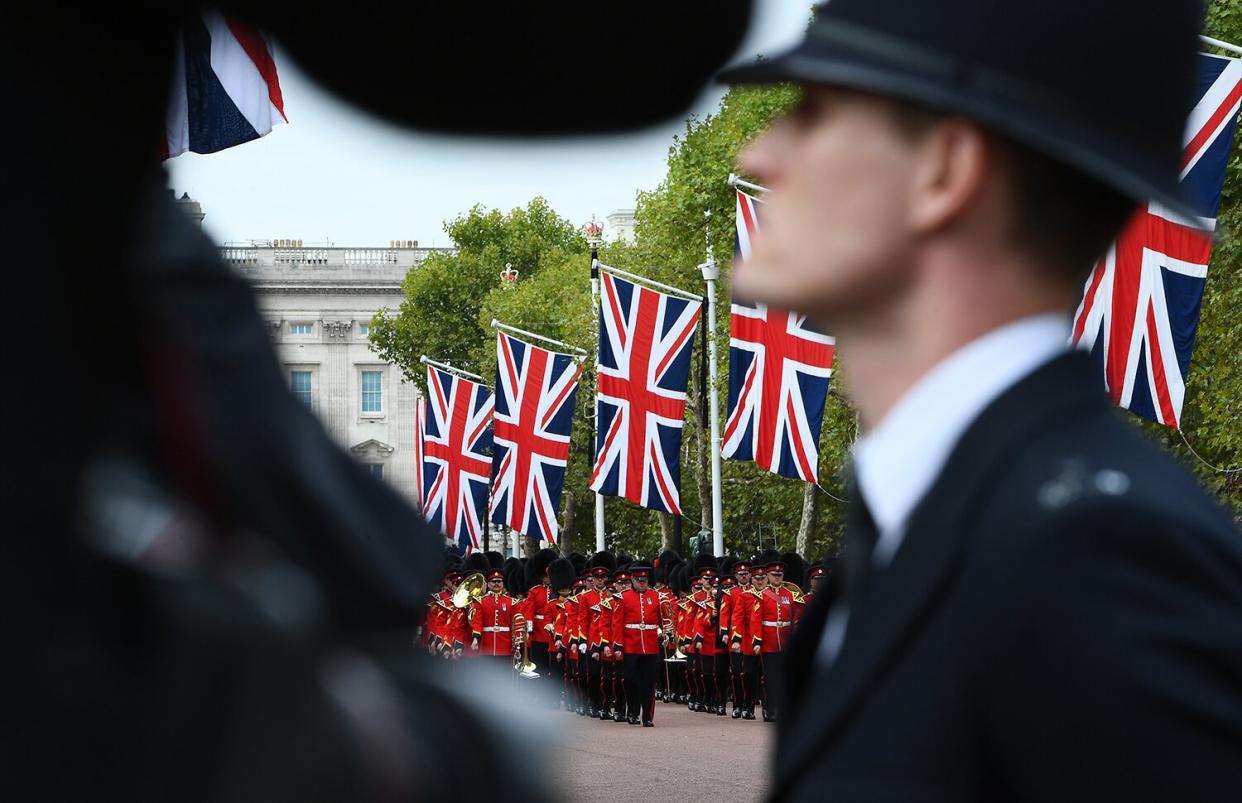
605 559
495 559
579 561
537 566
562 574
476 562
795 568
702 562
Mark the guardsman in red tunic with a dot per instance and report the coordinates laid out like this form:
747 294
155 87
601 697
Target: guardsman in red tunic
817 576
561 576
740 638
548 685
574 697
611 628
442 615
771 623
639 645
734 618
492 623
705 645
590 612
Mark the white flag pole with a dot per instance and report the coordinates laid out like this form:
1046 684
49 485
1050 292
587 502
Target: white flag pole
504 327
443 366
1222 45
711 272
600 546
735 181
668 288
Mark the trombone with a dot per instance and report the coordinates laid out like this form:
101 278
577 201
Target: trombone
522 664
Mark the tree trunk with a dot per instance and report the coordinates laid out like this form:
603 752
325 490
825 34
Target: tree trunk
807 524
529 546
668 538
569 517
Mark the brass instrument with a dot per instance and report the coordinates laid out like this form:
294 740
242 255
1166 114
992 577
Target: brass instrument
794 590
469 590
522 664
666 624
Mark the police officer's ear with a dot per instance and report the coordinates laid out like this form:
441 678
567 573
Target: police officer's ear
507 68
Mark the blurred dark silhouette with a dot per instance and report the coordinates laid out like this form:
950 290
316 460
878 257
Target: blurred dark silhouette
205 599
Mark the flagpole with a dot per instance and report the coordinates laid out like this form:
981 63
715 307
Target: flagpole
710 274
1222 45
593 231
504 327
443 366
668 288
735 181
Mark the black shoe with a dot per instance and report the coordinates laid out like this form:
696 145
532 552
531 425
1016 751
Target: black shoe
748 712
648 723
618 717
768 717
633 720
659 695
737 712
720 710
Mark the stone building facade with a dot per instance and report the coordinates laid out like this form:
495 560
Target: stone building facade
318 302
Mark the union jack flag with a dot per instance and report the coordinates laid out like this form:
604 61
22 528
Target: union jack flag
645 340
535 394
779 369
1140 309
456 457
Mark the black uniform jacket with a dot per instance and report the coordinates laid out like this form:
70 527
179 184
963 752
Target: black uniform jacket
1062 622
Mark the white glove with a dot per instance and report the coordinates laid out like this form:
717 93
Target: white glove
582 649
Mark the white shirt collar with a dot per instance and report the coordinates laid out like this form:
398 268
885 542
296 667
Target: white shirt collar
897 462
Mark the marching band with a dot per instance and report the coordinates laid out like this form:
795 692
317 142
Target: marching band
608 637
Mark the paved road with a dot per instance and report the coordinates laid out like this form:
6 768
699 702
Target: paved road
718 759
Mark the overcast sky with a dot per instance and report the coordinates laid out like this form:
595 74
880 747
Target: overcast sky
335 174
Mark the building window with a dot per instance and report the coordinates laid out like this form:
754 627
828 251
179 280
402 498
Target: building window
301 381
372 392
376 469
364 329
305 328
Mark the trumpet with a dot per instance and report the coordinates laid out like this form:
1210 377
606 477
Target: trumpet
666 624
469 590
522 664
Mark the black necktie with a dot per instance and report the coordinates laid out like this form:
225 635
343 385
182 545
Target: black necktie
860 539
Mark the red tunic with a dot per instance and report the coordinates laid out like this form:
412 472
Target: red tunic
639 619
704 636
772 620
537 604
492 624
740 609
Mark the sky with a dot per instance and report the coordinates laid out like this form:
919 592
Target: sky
334 174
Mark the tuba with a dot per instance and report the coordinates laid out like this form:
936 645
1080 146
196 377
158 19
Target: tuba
522 664
469 590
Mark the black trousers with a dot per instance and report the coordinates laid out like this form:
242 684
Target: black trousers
593 681
538 651
613 686
640 676
711 685
770 665
745 678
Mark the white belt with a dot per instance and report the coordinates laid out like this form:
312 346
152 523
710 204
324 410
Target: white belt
496 629
642 627
539 616
777 624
